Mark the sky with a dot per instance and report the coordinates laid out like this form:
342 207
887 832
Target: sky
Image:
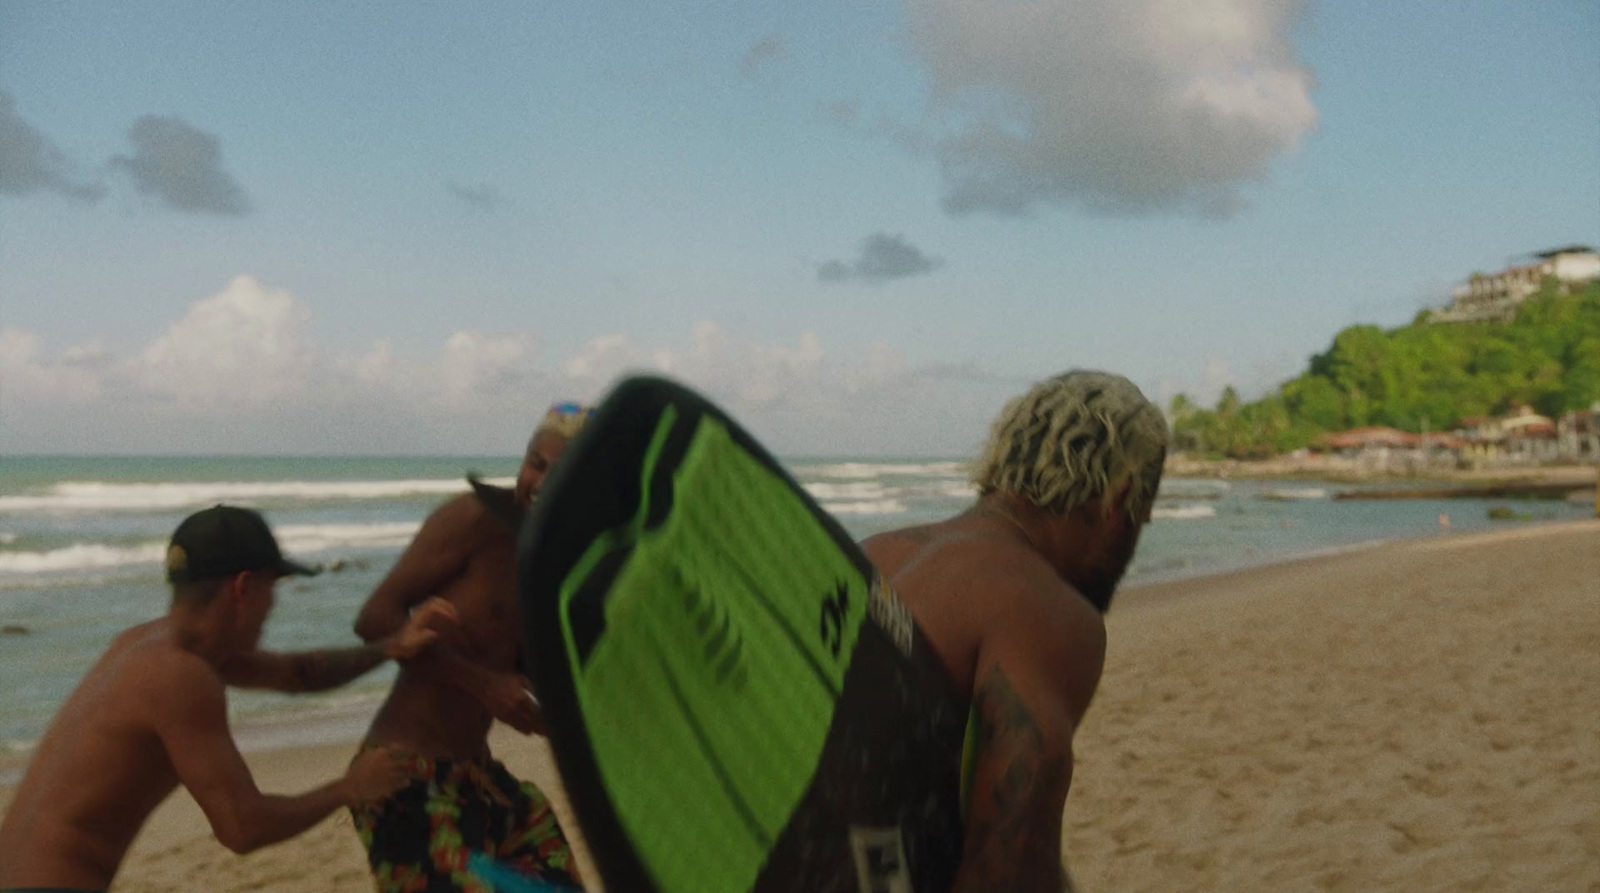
860 226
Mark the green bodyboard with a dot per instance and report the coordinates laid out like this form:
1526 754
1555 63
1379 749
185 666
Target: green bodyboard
735 701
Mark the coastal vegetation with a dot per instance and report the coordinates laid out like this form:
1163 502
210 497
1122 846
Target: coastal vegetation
1418 377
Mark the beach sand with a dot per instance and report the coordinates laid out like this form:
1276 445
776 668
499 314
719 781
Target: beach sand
1410 716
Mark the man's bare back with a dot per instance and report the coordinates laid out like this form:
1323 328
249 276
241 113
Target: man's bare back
110 730
968 576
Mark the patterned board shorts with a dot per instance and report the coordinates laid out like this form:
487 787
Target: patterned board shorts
420 838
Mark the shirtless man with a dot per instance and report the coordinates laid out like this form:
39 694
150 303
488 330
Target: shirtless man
152 714
1011 594
442 705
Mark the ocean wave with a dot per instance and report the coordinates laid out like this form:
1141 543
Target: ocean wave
859 491
1289 493
1183 512
302 538
296 540
80 556
1189 488
865 507
102 496
849 470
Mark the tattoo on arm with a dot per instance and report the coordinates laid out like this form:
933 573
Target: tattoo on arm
322 670
1014 821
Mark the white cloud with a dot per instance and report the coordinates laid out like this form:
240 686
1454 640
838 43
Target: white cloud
243 346
241 371
739 370
1121 106
476 365
75 374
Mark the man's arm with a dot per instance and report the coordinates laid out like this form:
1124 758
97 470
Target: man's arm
193 725
307 671
1037 670
437 555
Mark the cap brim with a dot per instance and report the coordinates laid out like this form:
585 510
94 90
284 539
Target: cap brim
500 502
287 568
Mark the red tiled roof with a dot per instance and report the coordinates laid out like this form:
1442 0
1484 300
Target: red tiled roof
1370 436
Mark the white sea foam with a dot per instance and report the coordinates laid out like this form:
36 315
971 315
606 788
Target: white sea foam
1183 512
296 540
7 538
79 556
302 538
858 491
101 496
865 507
1191 488
849 470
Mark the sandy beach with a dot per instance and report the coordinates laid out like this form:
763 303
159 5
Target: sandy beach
1410 716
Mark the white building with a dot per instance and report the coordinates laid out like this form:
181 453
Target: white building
1495 297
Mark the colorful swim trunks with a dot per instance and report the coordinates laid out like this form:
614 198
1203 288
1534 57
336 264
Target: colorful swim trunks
419 839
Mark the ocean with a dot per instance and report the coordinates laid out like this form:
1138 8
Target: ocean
81 542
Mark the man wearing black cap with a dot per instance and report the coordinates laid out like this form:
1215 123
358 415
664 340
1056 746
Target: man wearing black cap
152 714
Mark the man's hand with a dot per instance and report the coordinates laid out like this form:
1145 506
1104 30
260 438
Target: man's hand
375 774
508 698
421 630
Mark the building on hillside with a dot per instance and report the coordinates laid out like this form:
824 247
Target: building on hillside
1519 437
1371 437
1494 297
1578 434
1382 448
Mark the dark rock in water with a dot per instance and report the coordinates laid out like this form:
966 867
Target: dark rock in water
14 629
336 565
1501 513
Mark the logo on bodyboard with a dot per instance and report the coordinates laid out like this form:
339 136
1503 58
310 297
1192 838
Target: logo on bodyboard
891 615
880 860
834 608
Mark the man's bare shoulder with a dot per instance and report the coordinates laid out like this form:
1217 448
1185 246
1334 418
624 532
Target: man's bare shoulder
463 521
152 663
456 531
143 682
962 555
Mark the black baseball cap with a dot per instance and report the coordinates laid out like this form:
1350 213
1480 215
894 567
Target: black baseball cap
225 540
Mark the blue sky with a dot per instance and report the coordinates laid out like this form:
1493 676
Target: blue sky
396 227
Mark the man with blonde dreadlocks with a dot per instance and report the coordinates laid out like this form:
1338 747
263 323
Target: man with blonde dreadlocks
1011 595
460 800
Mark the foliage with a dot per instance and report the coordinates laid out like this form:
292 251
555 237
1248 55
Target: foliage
1417 377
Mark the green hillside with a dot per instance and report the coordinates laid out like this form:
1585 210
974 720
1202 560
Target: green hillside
1415 377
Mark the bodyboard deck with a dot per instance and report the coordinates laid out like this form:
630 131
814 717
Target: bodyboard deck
735 700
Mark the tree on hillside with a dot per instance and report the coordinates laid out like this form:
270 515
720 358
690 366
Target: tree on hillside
1415 377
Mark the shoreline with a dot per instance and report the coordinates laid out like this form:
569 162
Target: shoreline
1340 470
